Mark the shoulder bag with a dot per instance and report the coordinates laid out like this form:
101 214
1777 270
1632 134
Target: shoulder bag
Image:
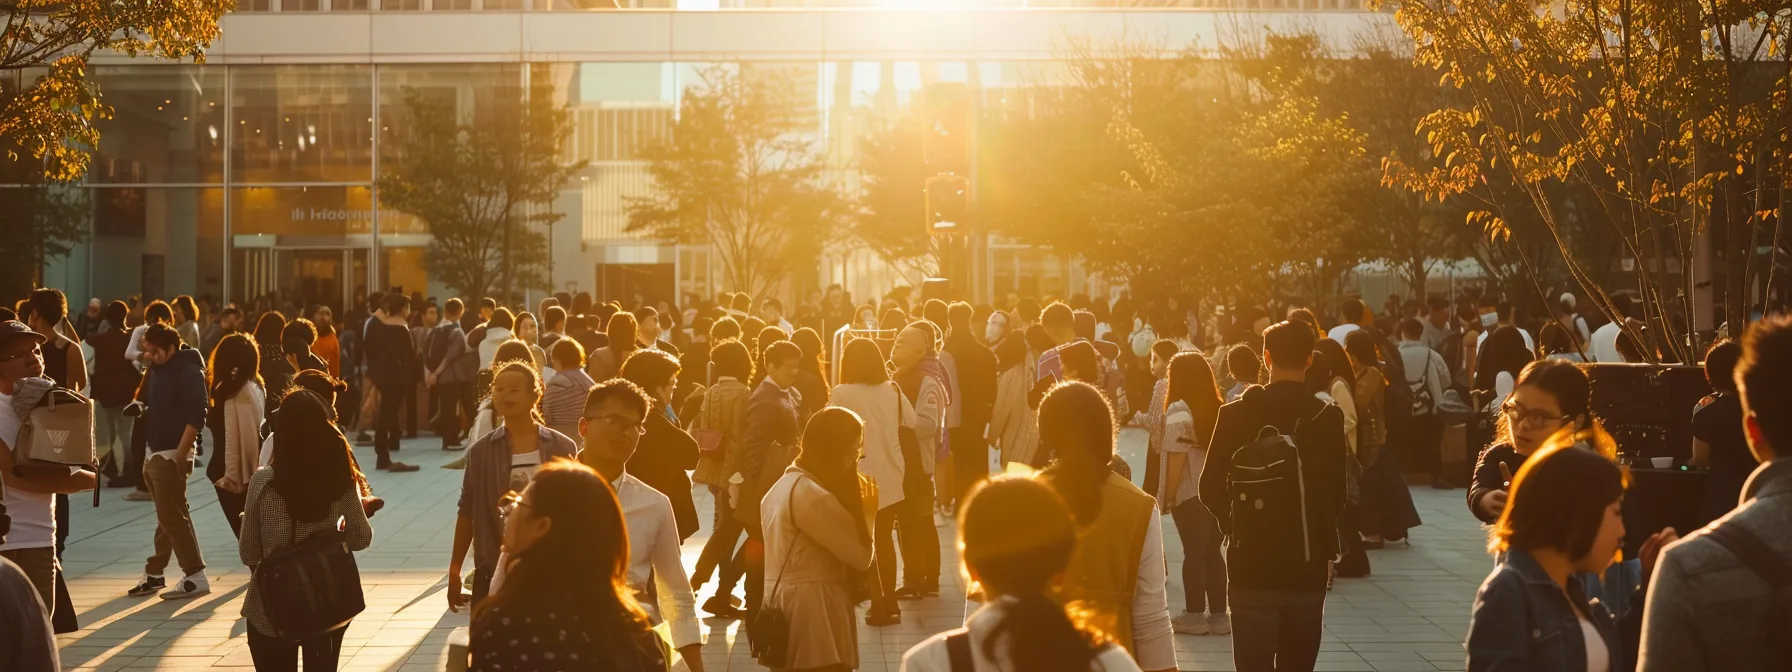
768 636
310 587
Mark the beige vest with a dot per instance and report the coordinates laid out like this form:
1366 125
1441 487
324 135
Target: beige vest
1104 570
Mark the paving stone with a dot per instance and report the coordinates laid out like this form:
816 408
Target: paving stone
1411 614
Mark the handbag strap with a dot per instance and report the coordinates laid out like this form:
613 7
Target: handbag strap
790 511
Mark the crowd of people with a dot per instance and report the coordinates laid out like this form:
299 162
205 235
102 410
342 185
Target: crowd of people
837 439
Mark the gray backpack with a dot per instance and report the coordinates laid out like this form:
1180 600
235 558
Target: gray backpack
58 430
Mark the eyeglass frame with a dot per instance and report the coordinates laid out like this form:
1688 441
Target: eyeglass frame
1519 416
509 502
640 428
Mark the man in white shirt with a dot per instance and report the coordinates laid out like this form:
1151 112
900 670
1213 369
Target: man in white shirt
772 311
1496 314
1355 315
1604 344
29 492
612 424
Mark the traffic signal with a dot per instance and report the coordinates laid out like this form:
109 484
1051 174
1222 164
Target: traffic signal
948 203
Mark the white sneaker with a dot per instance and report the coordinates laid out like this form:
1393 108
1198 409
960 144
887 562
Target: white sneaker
192 586
1219 624
1187 623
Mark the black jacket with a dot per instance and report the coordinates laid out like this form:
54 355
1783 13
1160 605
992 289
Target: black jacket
661 460
1488 477
1320 439
176 399
391 355
976 379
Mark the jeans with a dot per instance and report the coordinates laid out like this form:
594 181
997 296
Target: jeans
112 436
167 483
272 654
1203 566
453 402
970 460
1276 630
386 432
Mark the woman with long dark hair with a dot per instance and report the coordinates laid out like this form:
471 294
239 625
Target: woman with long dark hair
1015 537
270 338
308 490
866 390
1191 408
237 410
1498 365
565 603
817 541
1387 511
1117 522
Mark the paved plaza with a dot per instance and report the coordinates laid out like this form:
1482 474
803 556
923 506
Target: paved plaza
1412 615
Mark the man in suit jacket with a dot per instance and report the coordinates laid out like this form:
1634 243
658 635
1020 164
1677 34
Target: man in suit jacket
767 448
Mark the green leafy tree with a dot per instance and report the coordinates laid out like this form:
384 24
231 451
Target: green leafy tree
42 222
481 181
1669 119
51 117
740 172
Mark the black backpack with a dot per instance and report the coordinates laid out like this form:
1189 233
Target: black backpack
1269 491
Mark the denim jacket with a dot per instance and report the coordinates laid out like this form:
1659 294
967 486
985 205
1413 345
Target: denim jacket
1523 621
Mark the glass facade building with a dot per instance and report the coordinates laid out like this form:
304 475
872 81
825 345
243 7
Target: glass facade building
255 172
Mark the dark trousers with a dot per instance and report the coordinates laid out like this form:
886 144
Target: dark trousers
410 410
755 565
386 430
1427 441
970 459
1203 566
883 541
272 654
1276 630
452 401
920 540
718 552
232 504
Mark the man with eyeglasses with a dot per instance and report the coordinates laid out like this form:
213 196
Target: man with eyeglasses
611 425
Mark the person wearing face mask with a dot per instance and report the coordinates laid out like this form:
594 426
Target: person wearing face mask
667 452
1496 314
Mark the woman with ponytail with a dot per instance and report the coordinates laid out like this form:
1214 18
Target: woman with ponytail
1016 537
1122 589
817 544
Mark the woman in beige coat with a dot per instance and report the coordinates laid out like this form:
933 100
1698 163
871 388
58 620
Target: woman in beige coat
817 544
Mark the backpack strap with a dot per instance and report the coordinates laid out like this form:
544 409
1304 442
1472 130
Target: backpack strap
958 649
1754 553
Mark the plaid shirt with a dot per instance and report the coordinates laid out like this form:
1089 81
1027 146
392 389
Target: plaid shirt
488 477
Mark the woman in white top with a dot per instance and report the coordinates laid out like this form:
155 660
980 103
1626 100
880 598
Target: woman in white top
865 389
235 421
1191 407
1016 536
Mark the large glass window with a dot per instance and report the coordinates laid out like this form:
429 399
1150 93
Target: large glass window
153 243
302 123
166 128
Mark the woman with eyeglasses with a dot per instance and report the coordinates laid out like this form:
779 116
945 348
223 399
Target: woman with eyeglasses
500 462
553 612
1550 396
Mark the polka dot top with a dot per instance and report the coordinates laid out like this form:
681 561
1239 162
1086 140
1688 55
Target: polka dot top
553 639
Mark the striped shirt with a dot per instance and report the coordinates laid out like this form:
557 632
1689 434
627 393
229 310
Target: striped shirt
564 402
488 477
